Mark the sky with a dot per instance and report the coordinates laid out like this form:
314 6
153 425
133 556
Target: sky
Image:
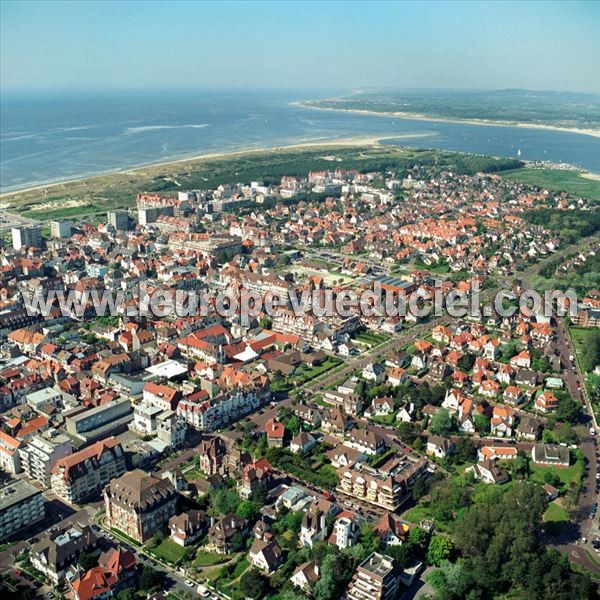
89 45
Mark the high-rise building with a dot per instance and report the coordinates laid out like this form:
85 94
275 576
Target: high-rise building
61 229
21 505
26 236
139 504
118 219
41 452
376 578
83 474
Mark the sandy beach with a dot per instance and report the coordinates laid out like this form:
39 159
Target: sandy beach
421 117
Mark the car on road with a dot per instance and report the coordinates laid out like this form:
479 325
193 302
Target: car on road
189 583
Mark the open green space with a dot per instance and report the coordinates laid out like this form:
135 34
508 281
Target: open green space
555 512
208 559
559 180
169 551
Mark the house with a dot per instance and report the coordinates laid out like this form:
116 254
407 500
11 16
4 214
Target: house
256 475
526 378
439 447
396 376
491 349
374 372
546 402
312 529
306 575
187 527
420 361
391 530
265 555
522 360
466 424
380 406
345 531
57 550
496 452
550 454
503 419
221 534
487 472
366 441
303 442
439 370
406 413
512 395
275 433
489 388
528 429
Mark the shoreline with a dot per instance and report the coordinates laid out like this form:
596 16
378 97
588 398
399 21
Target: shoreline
421 117
366 140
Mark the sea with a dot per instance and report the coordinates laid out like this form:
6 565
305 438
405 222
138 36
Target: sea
48 138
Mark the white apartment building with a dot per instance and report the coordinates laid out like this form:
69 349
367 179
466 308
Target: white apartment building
41 452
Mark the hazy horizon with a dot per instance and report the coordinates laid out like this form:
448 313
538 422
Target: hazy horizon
139 46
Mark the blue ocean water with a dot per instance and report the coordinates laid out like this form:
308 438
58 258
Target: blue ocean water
52 138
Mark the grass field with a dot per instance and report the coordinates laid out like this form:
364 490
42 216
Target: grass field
208 559
169 551
569 475
559 180
555 512
580 337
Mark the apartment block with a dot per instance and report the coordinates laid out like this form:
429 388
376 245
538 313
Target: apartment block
41 452
376 578
84 474
139 504
21 505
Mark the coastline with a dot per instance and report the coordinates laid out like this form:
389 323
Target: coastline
422 117
366 140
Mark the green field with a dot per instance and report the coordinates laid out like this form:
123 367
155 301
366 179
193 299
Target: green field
568 476
558 180
169 551
208 559
555 512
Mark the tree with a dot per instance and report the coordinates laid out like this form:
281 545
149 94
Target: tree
464 450
567 410
441 423
87 561
482 424
465 362
440 549
149 579
126 594
224 501
254 584
248 510
407 432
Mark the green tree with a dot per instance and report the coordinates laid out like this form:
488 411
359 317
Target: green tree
440 549
442 423
248 510
482 424
87 560
254 584
149 579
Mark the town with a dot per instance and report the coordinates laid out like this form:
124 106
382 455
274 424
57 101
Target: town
296 455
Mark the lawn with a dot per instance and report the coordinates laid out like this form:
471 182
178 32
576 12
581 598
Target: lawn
306 373
208 559
240 567
580 337
169 551
417 514
557 179
555 512
569 475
